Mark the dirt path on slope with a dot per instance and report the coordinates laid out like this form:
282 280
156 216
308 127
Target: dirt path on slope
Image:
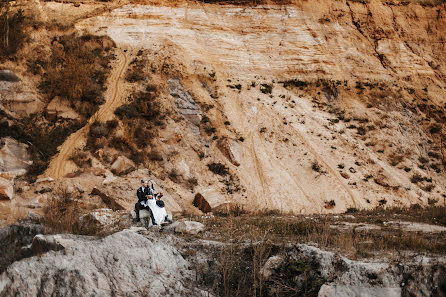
59 165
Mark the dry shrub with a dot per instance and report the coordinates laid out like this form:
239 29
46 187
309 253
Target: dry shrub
395 159
218 168
76 71
61 214
81 159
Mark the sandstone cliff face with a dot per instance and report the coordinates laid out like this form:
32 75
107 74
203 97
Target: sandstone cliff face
332 104
313 106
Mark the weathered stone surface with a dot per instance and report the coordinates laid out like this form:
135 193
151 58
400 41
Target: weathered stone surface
109 197
184 103
201 203
8 75
13 238
123 264
122 165
14 156
98 218
44 180
6 187
18 96
415 227
209 199
271 264
230 148
189 227
58 109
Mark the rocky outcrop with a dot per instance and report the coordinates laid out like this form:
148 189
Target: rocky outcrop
110 198
6 186
57 109
99 219
209 199
123 264
230 148
12 240
331 275
122 165
189 227
184 103
17 96
14 156
201 203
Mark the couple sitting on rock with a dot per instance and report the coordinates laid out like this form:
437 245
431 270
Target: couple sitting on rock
150 200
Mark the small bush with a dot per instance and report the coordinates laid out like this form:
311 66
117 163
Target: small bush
315 166
395 159
351 210
192 182
435 128
266 89
218 168
174 175
295 82
78 72
416 178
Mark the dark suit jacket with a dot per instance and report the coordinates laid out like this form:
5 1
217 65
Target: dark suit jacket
142 194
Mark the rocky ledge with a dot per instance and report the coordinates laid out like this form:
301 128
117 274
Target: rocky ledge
137 262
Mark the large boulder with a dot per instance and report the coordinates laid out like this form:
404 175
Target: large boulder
98 218
210 199
12 240
109 197
201 203
122 165
123 264
230 148
14 156
59 109
17 96
189 227
6 186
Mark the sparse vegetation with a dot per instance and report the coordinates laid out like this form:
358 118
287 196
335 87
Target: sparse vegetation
76 71
266 88
316 166
42 136
12 31
218 168
416 178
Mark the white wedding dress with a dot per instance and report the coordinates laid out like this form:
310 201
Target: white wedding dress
159 213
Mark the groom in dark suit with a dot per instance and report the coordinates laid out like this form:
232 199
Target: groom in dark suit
142 193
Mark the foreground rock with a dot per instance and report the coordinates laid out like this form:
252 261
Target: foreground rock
189 227
14 156
6 187
136 262
123 264
122 165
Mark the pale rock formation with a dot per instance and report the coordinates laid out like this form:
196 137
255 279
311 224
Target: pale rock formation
58 109
122 165
14 156
185 104
123 264
189 227
6 186
110 197
230 149
17 96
